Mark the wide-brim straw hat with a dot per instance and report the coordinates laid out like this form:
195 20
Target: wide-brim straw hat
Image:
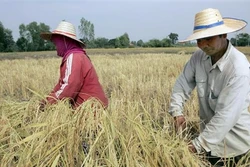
209 22
64 28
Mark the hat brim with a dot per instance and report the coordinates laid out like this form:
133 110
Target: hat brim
47 36
230 25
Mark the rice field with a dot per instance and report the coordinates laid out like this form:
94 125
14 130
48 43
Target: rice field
134 131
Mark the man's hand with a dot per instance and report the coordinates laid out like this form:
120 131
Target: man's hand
191 148
180 123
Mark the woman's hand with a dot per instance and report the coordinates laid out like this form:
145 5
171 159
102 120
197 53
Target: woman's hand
42 105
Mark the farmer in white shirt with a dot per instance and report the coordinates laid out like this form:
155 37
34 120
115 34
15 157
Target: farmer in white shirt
221 75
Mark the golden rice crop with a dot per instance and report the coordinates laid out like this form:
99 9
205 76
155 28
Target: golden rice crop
135 130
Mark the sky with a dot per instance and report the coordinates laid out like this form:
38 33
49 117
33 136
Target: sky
141 19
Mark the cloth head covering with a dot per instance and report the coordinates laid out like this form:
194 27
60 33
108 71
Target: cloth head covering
65 45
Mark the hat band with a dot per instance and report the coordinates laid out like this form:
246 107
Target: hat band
56 31
209 25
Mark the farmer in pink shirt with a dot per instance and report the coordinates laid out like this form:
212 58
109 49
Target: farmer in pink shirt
78 80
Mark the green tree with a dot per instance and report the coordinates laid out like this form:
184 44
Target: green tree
101 42
166 42
34 31
173 37
24 40
154 43
114 43
233 41
124 40
24 33
140 43
7 43
30 39
1 37
133 44
241 39
22 44
87 31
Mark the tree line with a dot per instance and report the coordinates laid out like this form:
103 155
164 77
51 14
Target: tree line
29 39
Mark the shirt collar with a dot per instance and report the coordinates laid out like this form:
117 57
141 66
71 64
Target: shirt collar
222 61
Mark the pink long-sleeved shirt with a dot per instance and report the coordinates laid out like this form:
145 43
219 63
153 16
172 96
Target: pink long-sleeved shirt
78 81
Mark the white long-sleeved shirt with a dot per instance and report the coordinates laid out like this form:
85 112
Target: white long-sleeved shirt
224 96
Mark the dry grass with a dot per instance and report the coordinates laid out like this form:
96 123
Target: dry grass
134 131
117 51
